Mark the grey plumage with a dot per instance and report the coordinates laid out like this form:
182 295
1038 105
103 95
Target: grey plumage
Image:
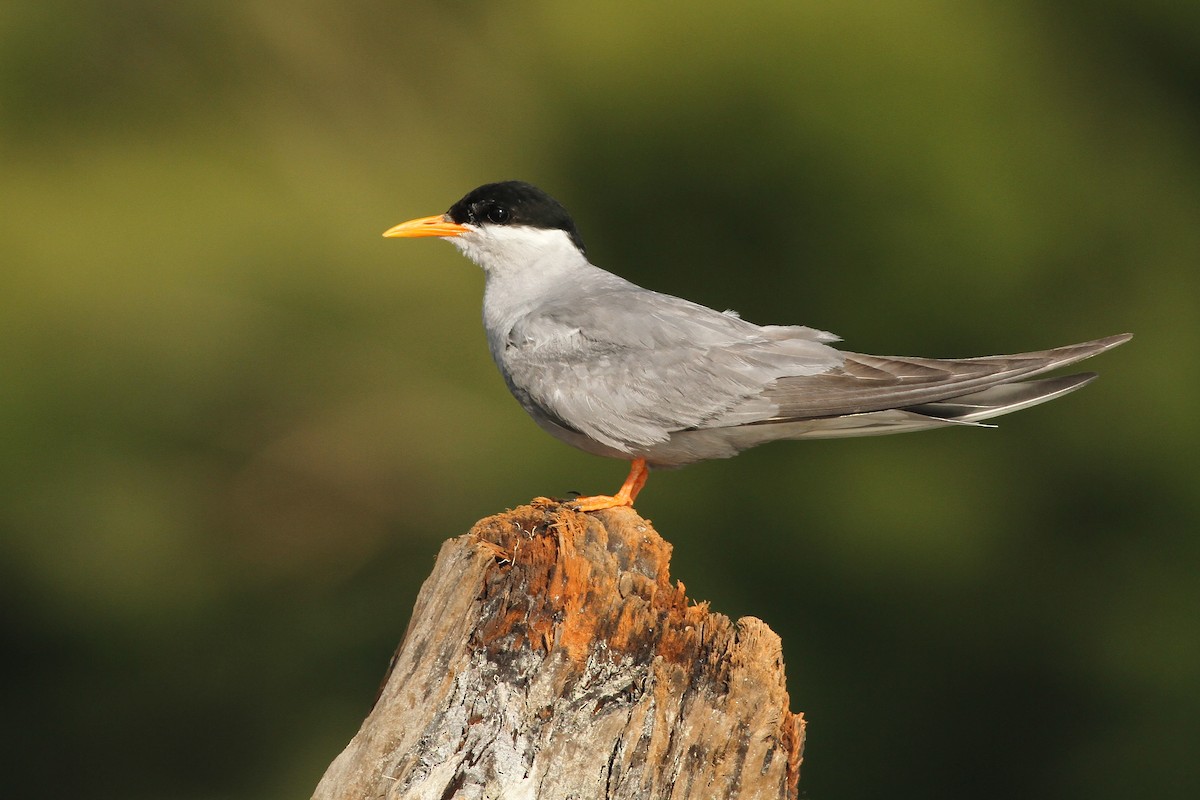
621 371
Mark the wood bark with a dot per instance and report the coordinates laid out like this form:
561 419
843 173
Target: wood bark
550 656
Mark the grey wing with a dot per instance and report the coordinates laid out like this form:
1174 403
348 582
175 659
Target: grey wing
627 367
870 395
865 383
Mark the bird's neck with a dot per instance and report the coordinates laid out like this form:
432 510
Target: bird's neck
521 270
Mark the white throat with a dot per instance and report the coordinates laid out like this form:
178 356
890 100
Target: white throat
522 267
519 251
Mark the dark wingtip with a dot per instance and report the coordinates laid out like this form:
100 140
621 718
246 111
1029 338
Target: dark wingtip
1077 352
1109 342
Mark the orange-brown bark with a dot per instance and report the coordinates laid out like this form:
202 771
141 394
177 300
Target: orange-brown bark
549 654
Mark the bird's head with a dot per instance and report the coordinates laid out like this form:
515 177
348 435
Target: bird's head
499 224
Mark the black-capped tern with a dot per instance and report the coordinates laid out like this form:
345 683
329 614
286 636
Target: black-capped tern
625 372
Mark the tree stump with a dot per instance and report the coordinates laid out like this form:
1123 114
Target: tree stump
549 656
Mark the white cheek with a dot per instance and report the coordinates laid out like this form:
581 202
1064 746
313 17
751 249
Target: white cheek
504 249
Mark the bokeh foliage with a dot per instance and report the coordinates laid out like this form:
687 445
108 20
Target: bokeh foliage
236 423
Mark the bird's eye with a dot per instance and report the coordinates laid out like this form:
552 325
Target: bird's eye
498 215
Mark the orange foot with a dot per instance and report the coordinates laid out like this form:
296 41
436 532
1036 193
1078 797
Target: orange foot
638 471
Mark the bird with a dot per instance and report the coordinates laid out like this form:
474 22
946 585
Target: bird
621 371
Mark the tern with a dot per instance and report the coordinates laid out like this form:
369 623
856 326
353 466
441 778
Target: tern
625 372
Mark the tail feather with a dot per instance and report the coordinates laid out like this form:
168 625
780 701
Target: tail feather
969 409
1003 399
868 383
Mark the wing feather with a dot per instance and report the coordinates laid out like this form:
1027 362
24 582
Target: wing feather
628 368
867 383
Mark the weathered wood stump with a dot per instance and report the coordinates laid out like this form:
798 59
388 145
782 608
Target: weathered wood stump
549 656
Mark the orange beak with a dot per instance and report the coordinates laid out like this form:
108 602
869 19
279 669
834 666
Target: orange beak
441 225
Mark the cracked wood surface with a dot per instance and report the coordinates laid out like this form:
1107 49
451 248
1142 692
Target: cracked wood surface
550 656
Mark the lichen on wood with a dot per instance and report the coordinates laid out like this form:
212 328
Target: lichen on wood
549 655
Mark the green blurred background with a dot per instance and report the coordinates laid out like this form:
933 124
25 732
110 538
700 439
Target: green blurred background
236 423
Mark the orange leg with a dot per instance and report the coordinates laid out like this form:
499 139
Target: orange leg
638 471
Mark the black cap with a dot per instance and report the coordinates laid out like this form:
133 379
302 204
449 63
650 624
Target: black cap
514 203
